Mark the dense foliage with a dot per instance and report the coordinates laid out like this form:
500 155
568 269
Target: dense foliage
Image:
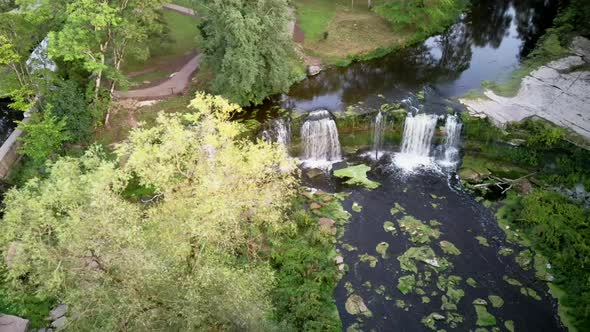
427 16
195 256
558 228
249 48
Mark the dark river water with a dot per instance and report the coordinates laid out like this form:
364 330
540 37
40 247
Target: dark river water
7 118
487 43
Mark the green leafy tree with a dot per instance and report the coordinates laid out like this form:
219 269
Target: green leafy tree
67 102
190 259
101 34
44 136
249 48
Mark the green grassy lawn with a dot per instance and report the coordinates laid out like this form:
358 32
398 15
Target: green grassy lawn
183 38
351 31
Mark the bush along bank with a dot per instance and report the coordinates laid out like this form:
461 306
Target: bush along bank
537 182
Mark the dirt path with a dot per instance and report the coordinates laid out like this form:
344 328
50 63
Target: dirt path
177 83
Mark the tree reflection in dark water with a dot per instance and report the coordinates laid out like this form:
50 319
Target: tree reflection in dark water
488 41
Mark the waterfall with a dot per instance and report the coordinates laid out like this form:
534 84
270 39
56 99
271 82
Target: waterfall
378 134
453 135
418 133
279 131
320 138
416 143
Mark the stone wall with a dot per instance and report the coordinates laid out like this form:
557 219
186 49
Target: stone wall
8 150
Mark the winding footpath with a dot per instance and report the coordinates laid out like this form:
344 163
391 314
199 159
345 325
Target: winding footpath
177 83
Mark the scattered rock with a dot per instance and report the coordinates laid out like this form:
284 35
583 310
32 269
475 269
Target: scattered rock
339 260
356 207
59 323
313 70
315 206
10 323
581 46
314 172
58 312
327 226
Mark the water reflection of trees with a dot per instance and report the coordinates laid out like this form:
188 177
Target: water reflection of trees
444 59
532 18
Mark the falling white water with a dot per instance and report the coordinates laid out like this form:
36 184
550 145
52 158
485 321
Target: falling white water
378 135
319 135
279 131
417 142
452 139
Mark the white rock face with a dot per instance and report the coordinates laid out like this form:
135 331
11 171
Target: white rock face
314 70
10 323
558 92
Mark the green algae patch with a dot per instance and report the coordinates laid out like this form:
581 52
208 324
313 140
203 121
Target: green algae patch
471 282
367 284
509 325
524 259
421 254
349 288
406 284
453 293
349 247
401 304
496 301
484 318
389 227
530 292
380 290
417 230
341 196
430 320
425 299
356 207
482 241
511 281
357 175
334 211
356 306
356 327
366 258
382 249
434 223
397 208
449 248
505 251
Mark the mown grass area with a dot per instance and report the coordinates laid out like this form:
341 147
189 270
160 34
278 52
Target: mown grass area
335 31
182 38
339 33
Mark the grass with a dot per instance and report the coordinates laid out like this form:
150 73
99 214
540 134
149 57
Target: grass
182 38
351 31
123 120
338 33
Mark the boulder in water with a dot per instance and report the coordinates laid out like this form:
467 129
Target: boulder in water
313 70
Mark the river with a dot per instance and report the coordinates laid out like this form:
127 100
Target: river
423 208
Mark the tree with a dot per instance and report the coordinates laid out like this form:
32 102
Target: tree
101 34
67 103
44 135
190 259
249 48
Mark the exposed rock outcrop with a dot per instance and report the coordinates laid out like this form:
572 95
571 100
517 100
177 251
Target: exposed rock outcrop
558 92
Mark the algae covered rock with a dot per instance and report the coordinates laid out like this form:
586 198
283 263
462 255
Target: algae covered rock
406 284
421 254
449 248
389 227
418 231
484 318
372 260
357 175
382 249
356 306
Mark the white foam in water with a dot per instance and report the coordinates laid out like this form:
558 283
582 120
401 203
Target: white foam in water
319 134
417 143
378 135
279 132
